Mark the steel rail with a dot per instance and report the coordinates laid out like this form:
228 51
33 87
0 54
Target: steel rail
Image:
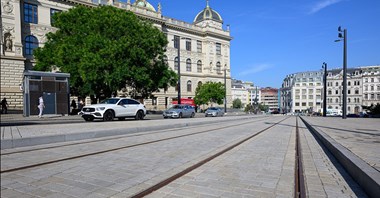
299 182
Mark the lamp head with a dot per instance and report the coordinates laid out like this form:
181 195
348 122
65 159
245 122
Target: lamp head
339 29
340 35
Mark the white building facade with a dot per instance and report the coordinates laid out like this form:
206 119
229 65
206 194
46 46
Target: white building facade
303 92
204 45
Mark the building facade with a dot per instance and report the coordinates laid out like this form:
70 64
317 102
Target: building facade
204 44
371 85
303 92
269 97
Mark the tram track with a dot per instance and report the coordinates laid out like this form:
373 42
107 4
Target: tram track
193 167
299 187
109 150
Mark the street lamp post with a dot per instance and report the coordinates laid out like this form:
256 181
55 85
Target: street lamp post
324 66
225 90
179 69
344 37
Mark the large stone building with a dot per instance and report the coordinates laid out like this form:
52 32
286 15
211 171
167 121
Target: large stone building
204 44
303 92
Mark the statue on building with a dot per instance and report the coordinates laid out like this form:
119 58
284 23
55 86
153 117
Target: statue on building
159 7
8 42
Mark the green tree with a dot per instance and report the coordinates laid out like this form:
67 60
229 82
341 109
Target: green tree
106 49
210 92
236 104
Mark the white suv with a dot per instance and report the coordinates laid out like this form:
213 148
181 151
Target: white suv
111 108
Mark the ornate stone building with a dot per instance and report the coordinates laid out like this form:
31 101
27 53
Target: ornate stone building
204 44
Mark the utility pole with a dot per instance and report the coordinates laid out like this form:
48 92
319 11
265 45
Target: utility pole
324 66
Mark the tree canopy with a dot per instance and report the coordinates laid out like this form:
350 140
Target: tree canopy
210 92
237 104
106 49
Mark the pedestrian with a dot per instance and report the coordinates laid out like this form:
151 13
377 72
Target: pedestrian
73 104
80 105
4 106
41 106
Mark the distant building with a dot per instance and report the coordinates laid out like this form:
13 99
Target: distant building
269 97
371 85
303 91
245 91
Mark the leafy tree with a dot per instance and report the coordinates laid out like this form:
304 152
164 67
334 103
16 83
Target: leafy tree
373 109
236 104
106 49
210 92
253 108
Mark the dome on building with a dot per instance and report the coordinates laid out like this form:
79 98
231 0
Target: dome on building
208 14
144 4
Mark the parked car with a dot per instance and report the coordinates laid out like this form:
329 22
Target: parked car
179 111
111 108
214 112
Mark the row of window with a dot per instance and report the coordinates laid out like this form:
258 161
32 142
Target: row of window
337 100
371 97
176 40
31 13
189 86
337 92
356 82
311 97
199 66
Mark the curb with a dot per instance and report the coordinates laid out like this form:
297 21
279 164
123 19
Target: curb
365 175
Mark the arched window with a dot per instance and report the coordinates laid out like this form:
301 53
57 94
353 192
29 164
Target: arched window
218 68
199 83
31 43
349 100
188 65
336 84
189 86
199 66
330 92
336 100
176 63
349 83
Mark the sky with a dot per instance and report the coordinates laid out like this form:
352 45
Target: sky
274 38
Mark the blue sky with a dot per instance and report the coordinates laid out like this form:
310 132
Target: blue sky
273 38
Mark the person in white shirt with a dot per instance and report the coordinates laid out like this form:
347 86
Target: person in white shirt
41 106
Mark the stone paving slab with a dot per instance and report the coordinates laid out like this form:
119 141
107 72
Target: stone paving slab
30 135
324 176
261 167
355 143
124 172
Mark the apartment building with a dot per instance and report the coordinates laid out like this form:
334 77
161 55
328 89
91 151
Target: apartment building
303 91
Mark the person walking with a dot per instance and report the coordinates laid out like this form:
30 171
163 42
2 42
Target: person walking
41 106
4 106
